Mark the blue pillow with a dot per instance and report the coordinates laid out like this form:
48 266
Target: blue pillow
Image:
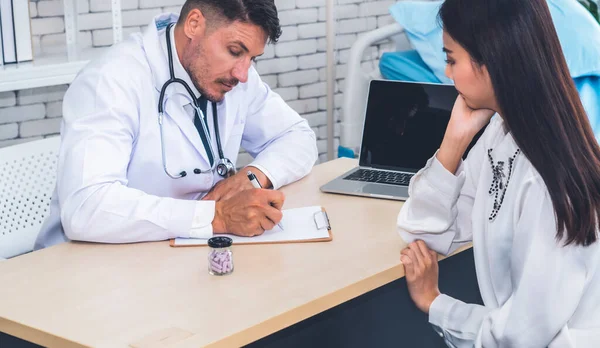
589 92
577 30
405 66
419 20
582 52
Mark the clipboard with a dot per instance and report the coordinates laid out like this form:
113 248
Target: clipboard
296 224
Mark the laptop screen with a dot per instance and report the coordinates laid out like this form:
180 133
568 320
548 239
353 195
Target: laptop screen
405 123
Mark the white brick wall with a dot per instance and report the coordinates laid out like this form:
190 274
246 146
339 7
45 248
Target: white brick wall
297 16
50 8
48 25
7 99
294 67
9 131
306 31
312 61
39 127
104 5
33 9
296 48
23 113
277 65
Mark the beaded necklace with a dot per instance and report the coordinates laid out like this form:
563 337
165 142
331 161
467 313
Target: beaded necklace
499 187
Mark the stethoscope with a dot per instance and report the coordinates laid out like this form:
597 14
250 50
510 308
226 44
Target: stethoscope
224 166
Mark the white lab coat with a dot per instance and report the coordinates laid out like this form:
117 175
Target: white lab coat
111 186
537 293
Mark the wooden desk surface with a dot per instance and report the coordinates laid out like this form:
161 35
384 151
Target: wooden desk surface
152 295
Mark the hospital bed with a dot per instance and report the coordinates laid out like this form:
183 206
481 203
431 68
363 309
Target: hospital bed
583 57
357 85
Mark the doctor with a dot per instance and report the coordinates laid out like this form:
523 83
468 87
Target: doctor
152 130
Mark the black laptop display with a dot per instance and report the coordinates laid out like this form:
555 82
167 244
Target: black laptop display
404 124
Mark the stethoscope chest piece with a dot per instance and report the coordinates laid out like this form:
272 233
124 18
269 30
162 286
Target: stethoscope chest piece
225 168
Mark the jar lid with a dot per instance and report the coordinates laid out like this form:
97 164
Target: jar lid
220 242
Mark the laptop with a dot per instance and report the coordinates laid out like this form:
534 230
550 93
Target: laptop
404 126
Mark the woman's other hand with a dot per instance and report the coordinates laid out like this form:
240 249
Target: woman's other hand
421 272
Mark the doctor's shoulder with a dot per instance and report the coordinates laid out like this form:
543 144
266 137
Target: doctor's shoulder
123 64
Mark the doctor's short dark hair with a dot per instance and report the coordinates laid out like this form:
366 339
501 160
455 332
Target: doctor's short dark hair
259 12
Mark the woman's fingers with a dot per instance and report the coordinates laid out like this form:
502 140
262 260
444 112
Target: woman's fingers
429 256
420 257
407 259
421 271
434 255
409 253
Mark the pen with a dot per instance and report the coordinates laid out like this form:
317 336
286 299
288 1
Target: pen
256 184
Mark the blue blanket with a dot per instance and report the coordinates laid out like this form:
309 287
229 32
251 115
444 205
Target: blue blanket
578 32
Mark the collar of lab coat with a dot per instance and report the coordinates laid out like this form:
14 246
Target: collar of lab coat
156 51
177 67
157 57
176 95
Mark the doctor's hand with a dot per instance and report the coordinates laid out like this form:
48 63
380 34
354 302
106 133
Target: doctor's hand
421 272
231 186
248 213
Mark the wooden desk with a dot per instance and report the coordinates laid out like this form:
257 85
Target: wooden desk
149 294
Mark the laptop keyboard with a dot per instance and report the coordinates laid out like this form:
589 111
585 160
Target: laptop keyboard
379 176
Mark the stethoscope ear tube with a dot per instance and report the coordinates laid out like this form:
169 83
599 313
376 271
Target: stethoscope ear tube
162 147
224 167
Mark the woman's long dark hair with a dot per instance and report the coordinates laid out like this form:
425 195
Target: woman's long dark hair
517 43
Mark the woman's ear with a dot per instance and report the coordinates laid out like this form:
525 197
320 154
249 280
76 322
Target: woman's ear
481 70
484 75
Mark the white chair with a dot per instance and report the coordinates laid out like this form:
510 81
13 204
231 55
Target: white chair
27 179
357 82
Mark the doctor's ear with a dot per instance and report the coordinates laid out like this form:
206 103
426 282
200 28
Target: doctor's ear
195 24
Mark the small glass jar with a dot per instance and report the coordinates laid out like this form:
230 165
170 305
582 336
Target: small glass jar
220 257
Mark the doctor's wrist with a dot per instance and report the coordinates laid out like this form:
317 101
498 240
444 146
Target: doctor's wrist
260 176
218 223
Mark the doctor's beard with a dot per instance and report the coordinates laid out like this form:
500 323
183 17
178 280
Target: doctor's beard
225 84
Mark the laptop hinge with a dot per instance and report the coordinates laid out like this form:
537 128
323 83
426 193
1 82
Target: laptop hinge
386 170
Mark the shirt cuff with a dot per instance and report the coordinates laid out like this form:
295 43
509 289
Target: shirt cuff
439 242
444 181
202 221
440 309
266 173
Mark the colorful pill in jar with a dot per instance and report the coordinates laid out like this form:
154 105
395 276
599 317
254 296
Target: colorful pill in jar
220 257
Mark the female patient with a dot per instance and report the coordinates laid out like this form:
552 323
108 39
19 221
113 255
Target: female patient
527 196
